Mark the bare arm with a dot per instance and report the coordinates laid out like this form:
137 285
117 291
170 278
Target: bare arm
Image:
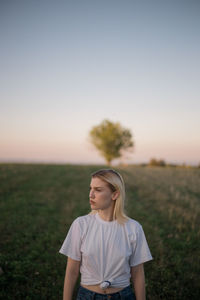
71 276
138 280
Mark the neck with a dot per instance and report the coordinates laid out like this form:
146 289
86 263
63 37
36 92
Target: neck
106 214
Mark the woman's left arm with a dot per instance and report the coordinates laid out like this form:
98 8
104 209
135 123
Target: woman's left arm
138 280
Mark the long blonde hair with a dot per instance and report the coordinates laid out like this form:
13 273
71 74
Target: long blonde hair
115 183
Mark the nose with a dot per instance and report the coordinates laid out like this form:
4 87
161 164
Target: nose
91 194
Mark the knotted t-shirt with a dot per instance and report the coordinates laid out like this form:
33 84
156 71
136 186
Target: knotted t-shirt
106 250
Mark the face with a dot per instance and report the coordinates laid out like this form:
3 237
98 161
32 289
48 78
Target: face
101 196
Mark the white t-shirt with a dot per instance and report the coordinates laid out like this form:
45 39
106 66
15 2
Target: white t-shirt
106 250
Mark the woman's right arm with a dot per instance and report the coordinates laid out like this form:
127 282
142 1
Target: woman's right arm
71 276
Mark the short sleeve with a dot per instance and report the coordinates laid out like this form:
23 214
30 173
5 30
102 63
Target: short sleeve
140 248
72 243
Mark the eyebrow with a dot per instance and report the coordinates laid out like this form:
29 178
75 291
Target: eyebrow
97 187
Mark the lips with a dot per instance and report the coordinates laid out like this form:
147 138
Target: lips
92 202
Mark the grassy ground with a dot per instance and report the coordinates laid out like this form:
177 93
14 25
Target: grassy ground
39 202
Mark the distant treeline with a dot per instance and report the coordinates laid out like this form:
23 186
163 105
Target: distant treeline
162 163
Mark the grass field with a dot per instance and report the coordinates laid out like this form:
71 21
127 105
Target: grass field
39 202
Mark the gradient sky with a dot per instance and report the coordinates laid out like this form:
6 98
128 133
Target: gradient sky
67 65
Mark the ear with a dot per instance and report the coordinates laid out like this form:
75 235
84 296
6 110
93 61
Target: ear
115 195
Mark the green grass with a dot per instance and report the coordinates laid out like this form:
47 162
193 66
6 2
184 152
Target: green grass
39 202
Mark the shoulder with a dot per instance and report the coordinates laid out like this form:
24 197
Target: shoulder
133 223
85 218
83 221
81 225
133 226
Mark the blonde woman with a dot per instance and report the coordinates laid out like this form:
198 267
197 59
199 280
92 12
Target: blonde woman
106 247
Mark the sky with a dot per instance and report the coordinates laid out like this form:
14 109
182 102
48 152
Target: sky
68 65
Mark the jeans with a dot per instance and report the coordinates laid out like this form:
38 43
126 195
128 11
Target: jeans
125 294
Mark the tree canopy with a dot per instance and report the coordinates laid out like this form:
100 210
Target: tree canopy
111 139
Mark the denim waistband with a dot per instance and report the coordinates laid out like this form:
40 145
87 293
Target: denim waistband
126 293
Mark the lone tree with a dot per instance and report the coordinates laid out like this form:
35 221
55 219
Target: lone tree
111 139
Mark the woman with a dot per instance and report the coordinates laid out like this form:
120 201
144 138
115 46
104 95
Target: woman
106 246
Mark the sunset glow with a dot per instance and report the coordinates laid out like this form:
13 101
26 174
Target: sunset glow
66 67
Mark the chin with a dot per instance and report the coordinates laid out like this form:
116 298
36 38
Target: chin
95 208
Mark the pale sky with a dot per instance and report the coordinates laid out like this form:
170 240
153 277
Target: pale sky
67 65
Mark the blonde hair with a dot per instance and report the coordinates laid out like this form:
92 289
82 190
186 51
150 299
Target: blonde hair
115 183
